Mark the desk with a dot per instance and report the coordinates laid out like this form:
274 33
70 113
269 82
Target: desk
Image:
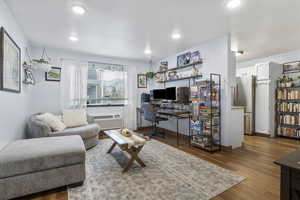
290 176
170 114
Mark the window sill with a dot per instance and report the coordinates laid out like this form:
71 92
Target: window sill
107 105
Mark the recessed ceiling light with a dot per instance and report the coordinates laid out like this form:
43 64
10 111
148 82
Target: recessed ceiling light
73 38
78 9
148 52
176 36
232 4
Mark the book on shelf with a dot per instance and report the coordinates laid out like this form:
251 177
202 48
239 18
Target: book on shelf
286 94
289 119
288 107
288 132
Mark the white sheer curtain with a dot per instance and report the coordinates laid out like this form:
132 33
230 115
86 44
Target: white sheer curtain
129 110
73 85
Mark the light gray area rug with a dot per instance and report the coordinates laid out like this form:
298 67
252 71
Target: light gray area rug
169 174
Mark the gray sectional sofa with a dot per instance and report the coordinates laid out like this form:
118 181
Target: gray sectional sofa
35 165
89 133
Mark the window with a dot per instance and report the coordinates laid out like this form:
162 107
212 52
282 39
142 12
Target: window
107 84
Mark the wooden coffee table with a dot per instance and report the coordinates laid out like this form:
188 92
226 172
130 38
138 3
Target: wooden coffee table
127 144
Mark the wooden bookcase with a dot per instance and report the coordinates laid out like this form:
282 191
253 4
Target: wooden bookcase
206 114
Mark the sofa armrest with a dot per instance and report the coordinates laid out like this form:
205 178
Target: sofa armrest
90 119
36 128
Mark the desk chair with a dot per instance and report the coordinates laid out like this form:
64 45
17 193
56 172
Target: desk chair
151 116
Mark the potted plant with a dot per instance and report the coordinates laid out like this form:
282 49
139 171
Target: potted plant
289 82
150 75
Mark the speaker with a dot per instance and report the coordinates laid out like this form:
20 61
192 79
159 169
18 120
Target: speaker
183 95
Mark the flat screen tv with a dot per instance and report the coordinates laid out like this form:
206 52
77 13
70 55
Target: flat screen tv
171 93
158 94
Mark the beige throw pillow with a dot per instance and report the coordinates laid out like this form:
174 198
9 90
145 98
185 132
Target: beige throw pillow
52 121
74 118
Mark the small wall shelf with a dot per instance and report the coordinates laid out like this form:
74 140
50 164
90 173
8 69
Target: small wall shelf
181 67
164 77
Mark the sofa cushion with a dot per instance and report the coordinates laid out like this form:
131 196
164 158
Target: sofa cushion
87 131
32 155
74 118
53 121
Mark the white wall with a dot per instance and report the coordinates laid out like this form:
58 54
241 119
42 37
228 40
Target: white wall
13 106
277 58
217 58
46 95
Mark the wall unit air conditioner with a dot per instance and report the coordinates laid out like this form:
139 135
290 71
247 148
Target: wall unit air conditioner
107 122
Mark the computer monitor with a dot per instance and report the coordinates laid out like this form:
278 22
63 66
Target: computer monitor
171 93
158 94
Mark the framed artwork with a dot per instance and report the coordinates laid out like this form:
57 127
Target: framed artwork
291 67
10 63
53 74
183 59
142 81
28 77
196 57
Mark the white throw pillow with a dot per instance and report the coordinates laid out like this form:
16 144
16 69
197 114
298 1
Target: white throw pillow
74 118
52 121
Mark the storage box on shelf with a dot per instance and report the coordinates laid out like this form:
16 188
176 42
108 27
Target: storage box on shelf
206 123
288 110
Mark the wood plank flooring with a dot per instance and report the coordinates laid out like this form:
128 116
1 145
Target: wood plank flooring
254 160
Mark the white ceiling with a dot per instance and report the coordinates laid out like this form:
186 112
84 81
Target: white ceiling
124 28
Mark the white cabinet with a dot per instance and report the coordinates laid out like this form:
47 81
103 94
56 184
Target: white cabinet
262 71
267 75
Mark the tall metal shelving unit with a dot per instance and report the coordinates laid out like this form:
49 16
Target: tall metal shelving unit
206 115
287 108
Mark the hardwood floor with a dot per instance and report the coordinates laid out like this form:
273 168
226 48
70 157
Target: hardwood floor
254 161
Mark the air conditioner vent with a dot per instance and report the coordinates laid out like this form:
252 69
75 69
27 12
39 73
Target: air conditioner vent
104 117
107 122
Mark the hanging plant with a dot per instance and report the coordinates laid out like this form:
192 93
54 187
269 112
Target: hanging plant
43 63
40 61
150 75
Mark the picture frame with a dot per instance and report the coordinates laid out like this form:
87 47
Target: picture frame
196 57
142 81
183 59
291 67
54 74
28 77
10 63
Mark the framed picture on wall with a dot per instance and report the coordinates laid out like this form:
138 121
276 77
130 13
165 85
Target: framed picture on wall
142 81
53 74
10 63
183 59
291 67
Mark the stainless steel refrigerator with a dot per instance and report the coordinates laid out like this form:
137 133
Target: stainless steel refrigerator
245 96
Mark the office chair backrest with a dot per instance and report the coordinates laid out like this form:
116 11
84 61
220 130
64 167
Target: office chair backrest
149 112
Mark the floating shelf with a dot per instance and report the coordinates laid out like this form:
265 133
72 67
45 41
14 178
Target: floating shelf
181 67
179 79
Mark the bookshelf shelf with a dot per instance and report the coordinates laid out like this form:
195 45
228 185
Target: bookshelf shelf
206 122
